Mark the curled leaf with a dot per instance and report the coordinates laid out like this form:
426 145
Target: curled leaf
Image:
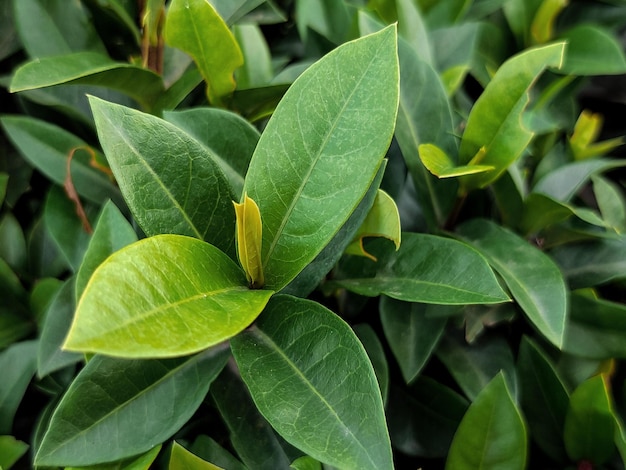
249 237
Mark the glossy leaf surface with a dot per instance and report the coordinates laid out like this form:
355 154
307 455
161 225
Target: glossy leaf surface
132 308
492 434
494 123
146 155
311 378
440 164
532 277
321 150
89 68
196 28
428 269
96 420
18 363
249 238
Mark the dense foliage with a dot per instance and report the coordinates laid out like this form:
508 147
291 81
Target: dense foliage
312 234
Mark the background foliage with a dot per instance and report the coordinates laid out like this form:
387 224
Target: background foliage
435 239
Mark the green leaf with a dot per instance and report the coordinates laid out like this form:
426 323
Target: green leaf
231 138
428 269
383 220
11 450
257 66
321 150
411 333
544 399
492 434
132 308
596 328
495 132
423 419
182 459
565 181
141 462
208 449
147 155
47 147
249 237
442 166
592 50
611 202
330 19
59 316
4 181
18 364
251 436
96 421
311 378
412 28
474 365
89 68
13 243
532 277
592 263
542 26
590 422
112 233
195 27
54 27
376 353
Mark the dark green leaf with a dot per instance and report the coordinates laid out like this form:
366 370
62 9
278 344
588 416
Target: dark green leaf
12 243
311 378
532 277
18 364
133 308
147 155
428 269
97 418
376 353
492 434
321 151
544 399
411 333
590 422
208 449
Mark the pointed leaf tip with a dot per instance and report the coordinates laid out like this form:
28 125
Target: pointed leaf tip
249 238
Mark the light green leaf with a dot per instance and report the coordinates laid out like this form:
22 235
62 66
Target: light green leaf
542 26
257 66
141 462
11 450
59 315
492 434
442 166
590 422
195 27
18 363
592 50
89 68
131 307
611 202
532 277
231 138
494 127
544 399
208 449
411 333
47 147
329 18
112 233
310 377
321 151
428 269
306 463
412 28
147 155
383 220
182 459
96 421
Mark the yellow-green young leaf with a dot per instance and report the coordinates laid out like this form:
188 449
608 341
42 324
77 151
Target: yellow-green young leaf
383 220
163 296
542 27
196 28
586 131
182 459
249 238
442 166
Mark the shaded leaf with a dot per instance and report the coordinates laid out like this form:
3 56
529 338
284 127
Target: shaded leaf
428 269
249 237
132 308
182 459
96 420
492 433
376 353
18 363
208 449
592 51
321 150
532 277
289 361
141 462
